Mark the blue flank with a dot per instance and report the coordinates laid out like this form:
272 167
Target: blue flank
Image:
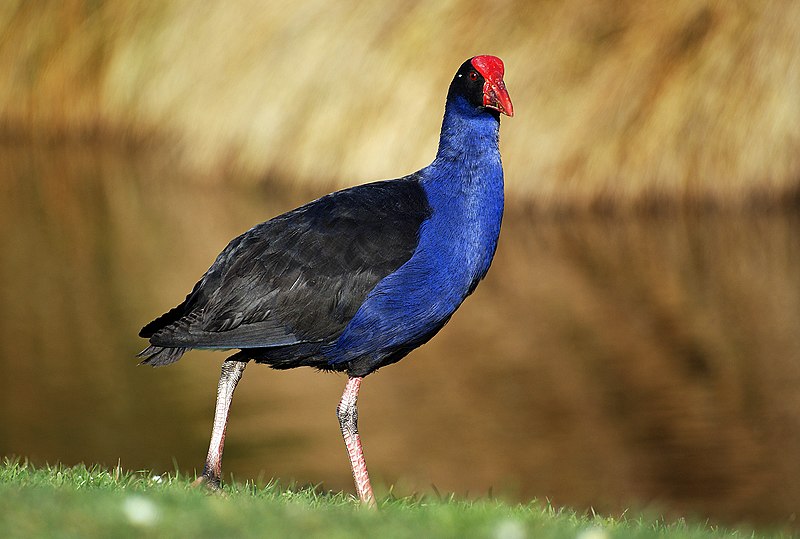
464 186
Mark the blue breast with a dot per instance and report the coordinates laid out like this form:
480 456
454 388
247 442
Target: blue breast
464 186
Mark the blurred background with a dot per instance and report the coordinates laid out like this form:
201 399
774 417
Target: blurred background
635 345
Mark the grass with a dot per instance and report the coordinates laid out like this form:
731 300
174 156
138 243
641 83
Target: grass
86 502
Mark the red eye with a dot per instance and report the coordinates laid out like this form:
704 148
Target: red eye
473 75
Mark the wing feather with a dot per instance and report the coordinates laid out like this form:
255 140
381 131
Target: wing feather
300 277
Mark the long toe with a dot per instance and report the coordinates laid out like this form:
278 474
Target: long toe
211 483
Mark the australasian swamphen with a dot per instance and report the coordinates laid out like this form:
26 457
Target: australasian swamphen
357 279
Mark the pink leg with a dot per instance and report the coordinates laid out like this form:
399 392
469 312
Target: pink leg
347 412
212 471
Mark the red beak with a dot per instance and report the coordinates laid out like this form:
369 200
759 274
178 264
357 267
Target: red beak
495 95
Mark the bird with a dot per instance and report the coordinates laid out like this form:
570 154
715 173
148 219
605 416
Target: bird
357 279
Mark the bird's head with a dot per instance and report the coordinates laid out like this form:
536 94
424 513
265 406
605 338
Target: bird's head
480 81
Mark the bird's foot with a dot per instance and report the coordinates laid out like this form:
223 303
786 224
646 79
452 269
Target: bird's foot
207 481
369 501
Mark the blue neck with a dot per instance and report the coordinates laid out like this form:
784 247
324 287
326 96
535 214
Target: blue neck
466 178
464 185
467 130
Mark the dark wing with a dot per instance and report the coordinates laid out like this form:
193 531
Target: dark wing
298 278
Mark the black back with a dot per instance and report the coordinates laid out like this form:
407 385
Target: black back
296 280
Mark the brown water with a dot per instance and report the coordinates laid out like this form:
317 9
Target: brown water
611 362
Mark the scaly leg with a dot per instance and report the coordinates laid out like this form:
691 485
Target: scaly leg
212 471
347 412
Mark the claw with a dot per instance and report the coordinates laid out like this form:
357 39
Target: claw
211 483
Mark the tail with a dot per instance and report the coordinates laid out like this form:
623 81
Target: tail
158 356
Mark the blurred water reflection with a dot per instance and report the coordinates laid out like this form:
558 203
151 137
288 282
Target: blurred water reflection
606 361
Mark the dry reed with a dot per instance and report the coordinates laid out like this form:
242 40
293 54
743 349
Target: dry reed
617 101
